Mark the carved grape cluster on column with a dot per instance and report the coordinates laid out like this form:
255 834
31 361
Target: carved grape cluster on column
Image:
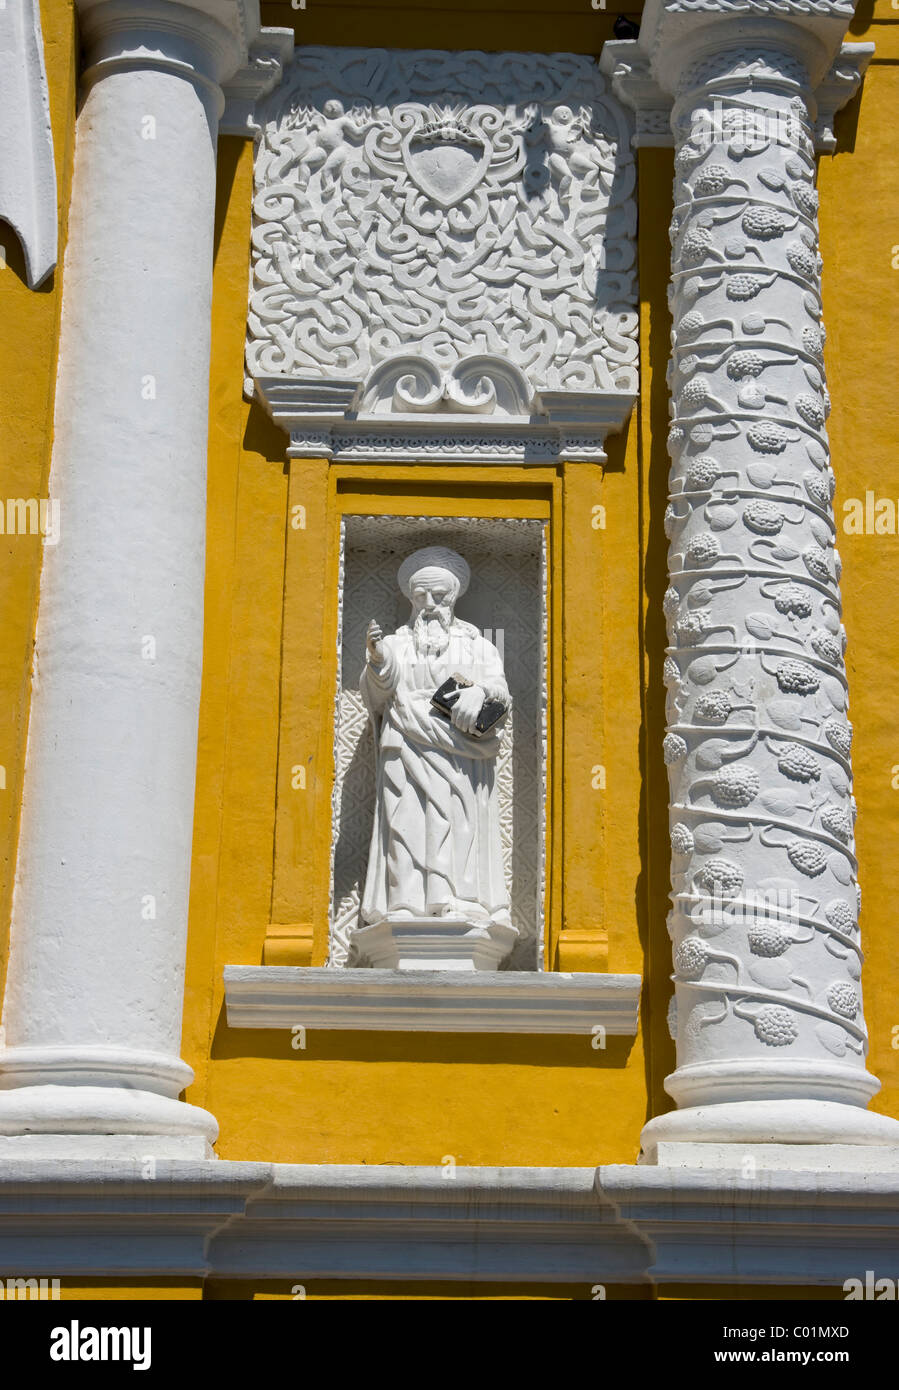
765 902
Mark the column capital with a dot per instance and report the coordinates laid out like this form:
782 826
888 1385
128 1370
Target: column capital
214 38
648 73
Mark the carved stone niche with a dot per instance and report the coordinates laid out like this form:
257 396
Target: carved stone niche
443 256
506 600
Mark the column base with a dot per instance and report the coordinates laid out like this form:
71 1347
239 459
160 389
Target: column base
103 1148
751 1159
99 1102
738 1081
725 1135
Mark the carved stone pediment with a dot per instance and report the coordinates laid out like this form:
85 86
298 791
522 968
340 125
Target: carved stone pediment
446 237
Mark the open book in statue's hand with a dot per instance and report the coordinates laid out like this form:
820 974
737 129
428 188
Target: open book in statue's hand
447 694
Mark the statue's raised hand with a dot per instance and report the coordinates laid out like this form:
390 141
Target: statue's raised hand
374 643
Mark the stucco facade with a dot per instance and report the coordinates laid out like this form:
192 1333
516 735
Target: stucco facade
399 1125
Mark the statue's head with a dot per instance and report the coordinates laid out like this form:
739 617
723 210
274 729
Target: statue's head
433 580
430 572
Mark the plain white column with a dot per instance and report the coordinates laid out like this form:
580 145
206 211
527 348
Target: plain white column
92 1013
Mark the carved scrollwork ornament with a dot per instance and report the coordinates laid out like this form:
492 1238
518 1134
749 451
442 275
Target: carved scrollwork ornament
454 232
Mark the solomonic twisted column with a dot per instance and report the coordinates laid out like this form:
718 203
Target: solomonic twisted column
770 1033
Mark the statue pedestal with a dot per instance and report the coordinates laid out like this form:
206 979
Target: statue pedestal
432 943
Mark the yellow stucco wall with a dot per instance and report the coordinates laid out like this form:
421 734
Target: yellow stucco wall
860 245
403 1098
486 1100
391 1098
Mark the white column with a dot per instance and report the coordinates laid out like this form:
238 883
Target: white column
771 1038
92 1013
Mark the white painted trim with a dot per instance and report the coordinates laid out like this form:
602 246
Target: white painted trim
839 86
613 1225
283 1221
261 74
27 171
325 419
778 1227
525 1001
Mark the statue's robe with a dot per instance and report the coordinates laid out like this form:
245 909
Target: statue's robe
435 847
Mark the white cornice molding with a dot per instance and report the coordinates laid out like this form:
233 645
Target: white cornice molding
630 74
542 1224
337 419
644 73
120 1216
316 997
616 1225
283 1221
837 88
239 17
776 1227
675 33
27 171
268 56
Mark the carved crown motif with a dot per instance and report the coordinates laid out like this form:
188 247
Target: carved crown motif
448 126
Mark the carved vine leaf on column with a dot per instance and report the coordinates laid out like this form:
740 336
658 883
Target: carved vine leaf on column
451 206
765 903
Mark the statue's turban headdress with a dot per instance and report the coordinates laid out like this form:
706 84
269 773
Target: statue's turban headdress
433 557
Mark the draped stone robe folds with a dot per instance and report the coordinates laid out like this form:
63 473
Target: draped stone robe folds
435 847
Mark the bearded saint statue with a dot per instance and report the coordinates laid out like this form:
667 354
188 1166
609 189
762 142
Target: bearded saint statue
435 848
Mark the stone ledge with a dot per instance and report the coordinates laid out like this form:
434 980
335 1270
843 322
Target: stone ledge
613 1225
286 1221
780 1227
430 1001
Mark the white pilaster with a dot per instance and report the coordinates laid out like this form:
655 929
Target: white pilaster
771 1039
27 171
92 1014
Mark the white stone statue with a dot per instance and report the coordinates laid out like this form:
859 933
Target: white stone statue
435 892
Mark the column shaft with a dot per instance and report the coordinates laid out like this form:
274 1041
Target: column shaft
94 996
771 1039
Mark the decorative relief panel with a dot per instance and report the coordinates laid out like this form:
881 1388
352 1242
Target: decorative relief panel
452 233
506 600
